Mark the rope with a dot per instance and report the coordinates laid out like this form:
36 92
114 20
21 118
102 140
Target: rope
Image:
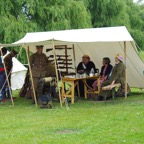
132 63
140 51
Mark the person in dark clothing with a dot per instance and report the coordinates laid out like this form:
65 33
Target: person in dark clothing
9 65
3 51
105 71
85 67
38 62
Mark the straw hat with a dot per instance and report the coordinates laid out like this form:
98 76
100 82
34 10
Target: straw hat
120 57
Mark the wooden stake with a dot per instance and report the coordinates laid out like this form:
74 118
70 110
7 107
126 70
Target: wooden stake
27 53
7 80
56 72
125 69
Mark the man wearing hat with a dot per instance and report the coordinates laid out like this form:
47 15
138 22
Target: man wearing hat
117 76
85 67
38 62
9 65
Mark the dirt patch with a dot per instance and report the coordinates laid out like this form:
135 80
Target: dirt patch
67 131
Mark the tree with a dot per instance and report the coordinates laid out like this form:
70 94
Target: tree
13 22
21 16
136 20
58 15
106 13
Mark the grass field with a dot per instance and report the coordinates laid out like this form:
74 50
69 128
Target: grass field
86 122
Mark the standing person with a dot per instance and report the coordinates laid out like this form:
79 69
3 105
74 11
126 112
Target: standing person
9 65
3 51
117 76
38 62
105 71
85 67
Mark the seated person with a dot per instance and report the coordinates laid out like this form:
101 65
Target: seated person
85 67
117 76
105 71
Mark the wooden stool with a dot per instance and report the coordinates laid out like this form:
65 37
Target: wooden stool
112 88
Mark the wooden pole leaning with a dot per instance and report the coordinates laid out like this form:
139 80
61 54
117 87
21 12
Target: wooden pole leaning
57 79
7 79
27 53
125 69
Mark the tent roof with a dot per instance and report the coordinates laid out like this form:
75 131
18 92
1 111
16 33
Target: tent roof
107 34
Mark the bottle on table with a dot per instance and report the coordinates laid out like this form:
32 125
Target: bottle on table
91 72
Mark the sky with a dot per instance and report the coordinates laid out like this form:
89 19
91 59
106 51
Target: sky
137 0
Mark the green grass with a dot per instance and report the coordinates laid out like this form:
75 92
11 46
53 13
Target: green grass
87 122
141 54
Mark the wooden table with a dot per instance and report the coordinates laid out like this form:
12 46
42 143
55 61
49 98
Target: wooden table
74 82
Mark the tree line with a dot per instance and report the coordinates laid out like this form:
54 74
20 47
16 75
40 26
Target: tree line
21 16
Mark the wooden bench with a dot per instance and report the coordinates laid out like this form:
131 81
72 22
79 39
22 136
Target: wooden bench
112 88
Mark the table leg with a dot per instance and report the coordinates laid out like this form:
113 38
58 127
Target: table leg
85 89
78 88
98 80
72 93
63 91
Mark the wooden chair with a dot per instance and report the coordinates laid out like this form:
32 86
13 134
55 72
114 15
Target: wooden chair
112 88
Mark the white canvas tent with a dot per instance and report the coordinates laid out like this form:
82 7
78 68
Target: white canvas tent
97 43
18 75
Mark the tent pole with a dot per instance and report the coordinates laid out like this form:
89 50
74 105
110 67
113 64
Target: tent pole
7 79
56 71
74 58
27 53
125 69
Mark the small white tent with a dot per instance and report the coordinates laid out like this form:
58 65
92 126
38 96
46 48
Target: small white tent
97 43
18 75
